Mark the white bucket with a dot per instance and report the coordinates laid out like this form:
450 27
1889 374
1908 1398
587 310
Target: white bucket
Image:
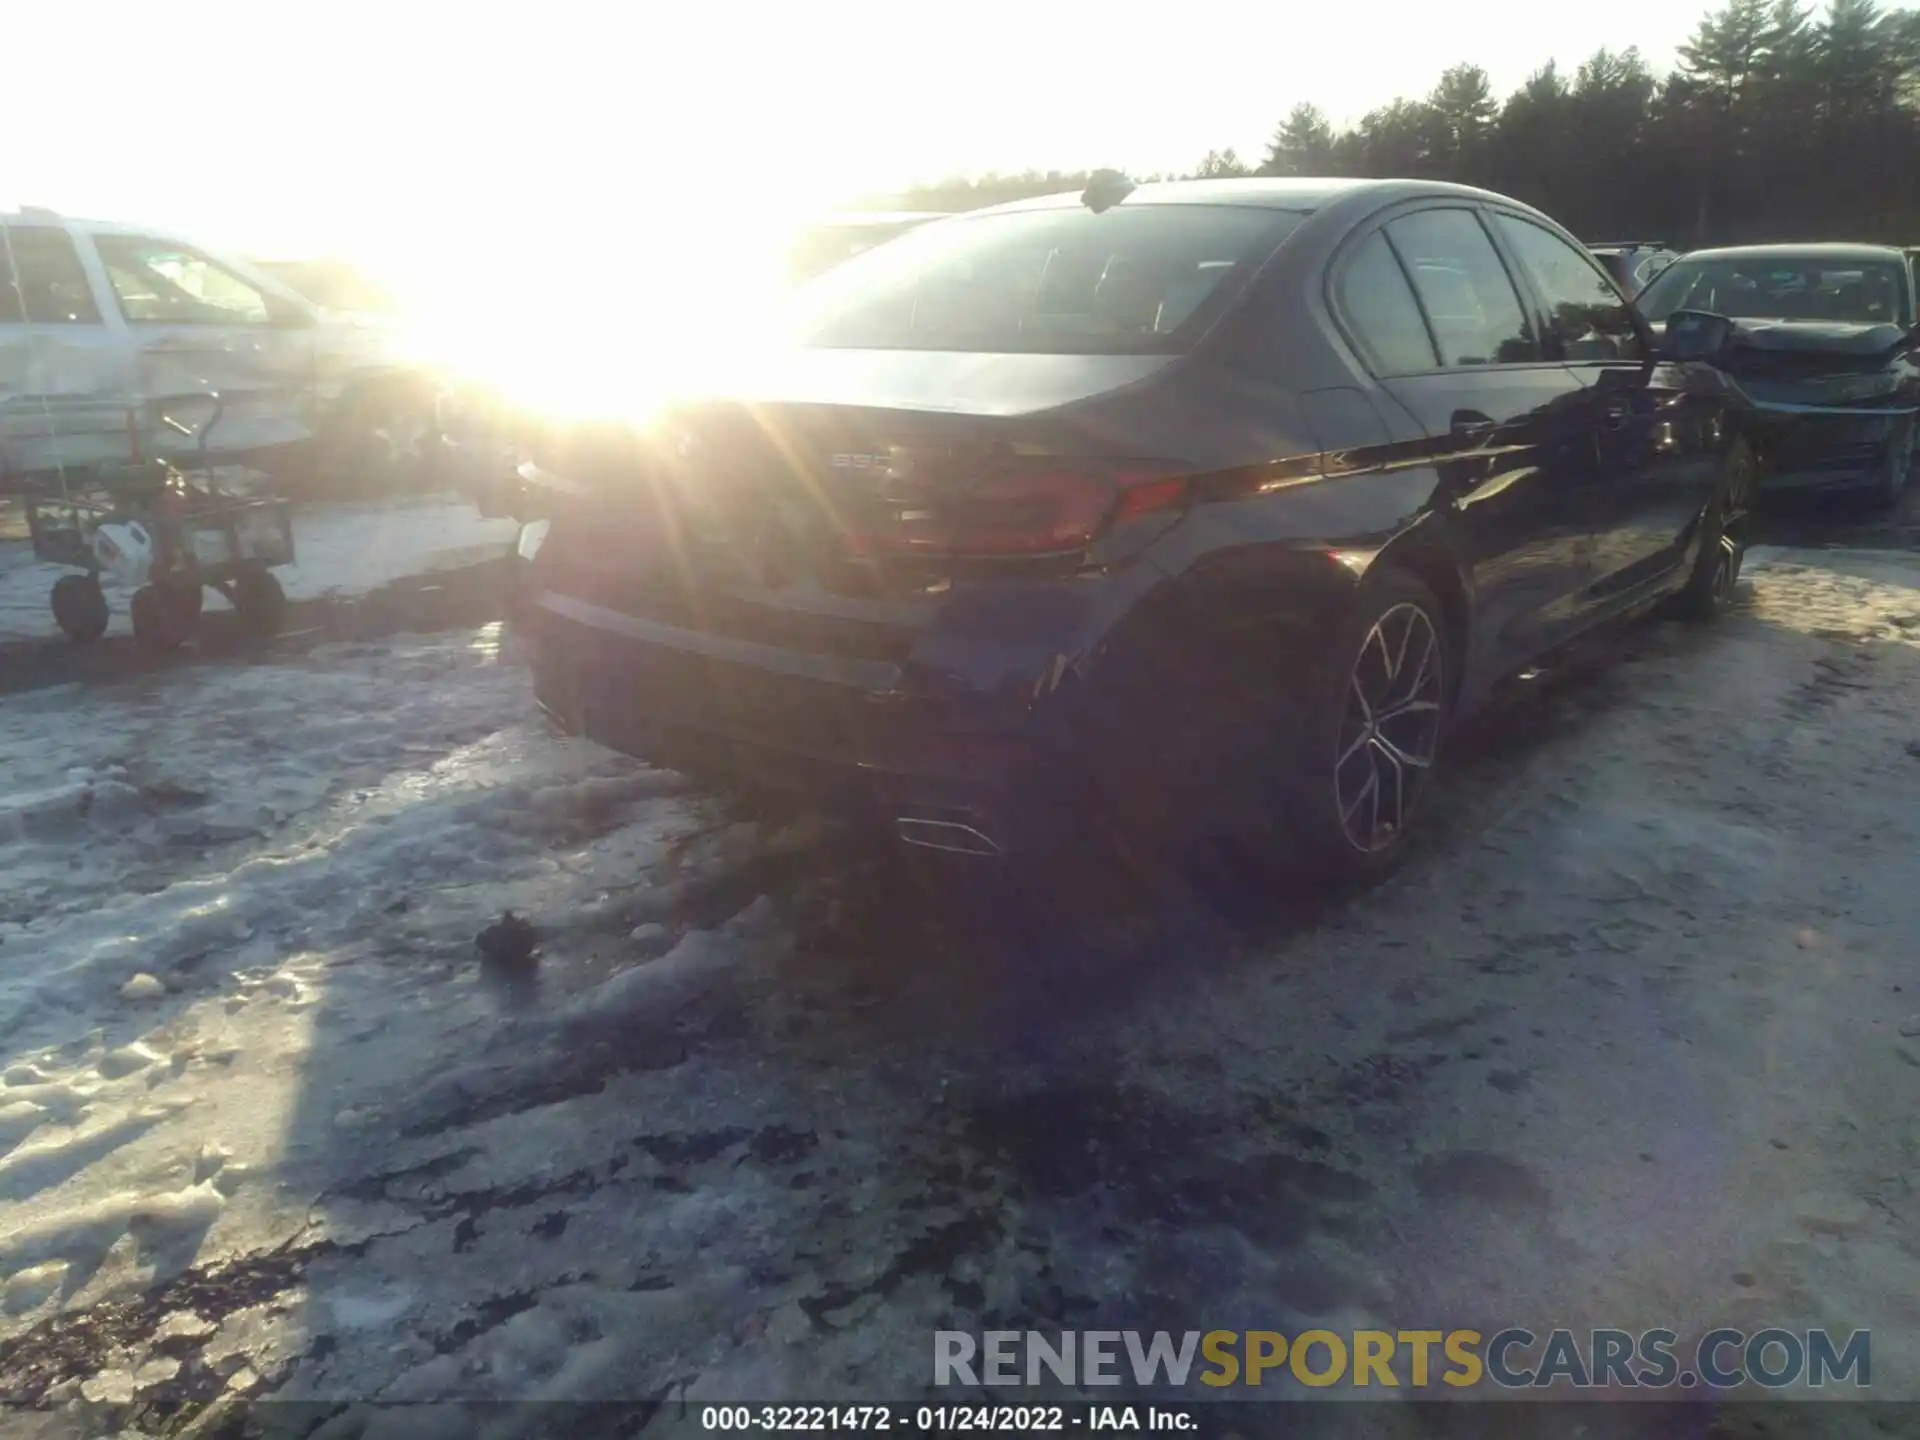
125 552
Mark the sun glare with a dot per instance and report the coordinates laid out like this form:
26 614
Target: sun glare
603 320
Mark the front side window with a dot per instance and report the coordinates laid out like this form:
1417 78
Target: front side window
161 282
41 279
1470 302
1587 316
1133 280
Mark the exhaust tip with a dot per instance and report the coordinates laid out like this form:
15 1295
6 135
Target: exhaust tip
948 835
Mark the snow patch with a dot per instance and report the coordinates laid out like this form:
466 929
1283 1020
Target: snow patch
361 1310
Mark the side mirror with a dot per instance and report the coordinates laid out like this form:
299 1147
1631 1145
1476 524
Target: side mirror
1695 335
1907 343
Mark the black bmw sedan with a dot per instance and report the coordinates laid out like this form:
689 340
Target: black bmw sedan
1191 509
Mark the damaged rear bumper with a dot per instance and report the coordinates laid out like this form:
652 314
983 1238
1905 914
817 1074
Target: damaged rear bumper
843 731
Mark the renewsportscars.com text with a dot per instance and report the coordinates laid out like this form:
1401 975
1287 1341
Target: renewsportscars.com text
1514 1358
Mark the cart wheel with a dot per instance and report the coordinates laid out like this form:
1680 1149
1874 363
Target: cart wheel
80 608
186 597
162 620
261 603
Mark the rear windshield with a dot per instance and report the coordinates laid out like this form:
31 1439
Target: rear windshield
1141 279
1780 288
826 246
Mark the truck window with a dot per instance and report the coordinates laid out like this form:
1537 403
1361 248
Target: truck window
161 282
41 280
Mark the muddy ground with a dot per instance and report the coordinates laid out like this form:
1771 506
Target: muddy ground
1620 1045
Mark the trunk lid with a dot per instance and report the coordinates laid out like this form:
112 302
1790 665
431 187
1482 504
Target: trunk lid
984 386
788 512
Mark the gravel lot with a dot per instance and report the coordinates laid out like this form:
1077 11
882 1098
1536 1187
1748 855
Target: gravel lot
1620 1045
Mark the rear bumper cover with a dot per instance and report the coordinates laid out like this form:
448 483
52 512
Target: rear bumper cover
848 731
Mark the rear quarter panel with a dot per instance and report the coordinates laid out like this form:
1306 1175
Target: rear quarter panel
1193 697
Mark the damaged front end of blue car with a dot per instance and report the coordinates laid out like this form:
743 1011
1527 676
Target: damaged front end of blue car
1831 406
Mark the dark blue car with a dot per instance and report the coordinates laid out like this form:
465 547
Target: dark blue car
1180 510
1818 352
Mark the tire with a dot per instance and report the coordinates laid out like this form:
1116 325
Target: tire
1895 471
186 597
1715 575
1394 648
162 620
387 443
260 603
80 608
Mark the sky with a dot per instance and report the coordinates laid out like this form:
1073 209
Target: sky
568 160
303 128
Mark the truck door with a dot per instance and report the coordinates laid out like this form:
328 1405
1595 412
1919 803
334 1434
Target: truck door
199 325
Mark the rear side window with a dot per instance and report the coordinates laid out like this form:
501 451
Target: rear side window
1378 305
1133 281
1587 316
1469 299
41 280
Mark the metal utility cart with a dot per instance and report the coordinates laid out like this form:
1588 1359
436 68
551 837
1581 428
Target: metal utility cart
200 535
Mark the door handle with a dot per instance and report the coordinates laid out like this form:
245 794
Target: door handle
1472 423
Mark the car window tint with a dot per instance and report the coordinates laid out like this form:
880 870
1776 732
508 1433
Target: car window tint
1470 302
161 282
1379 306
41 279
1131 280
1588 318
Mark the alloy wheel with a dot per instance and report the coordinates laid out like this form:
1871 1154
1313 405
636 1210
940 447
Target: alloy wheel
1726 574
1390 727
401 438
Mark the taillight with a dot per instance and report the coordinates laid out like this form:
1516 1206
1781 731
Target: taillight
1036 512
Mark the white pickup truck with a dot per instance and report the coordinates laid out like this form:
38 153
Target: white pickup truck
99 322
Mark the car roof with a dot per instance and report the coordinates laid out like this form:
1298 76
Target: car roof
1300 194
1827 250
29 215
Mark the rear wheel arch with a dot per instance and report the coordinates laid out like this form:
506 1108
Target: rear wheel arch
1437 569
1309 827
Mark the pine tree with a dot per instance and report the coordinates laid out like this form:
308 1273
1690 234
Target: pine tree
1301 145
